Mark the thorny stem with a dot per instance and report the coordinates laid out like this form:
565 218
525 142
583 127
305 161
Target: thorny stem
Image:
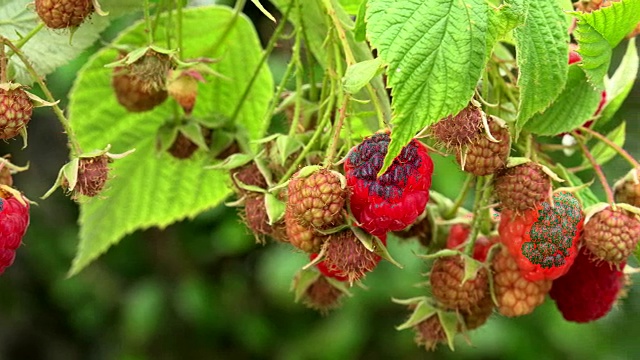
341 33
73 142
20 43
477 207
613 145
299 72
461 197
263 59
280 89
598 169
147 19
336 132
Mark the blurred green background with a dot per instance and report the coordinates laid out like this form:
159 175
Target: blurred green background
204 290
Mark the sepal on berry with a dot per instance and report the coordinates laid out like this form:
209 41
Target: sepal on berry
81 177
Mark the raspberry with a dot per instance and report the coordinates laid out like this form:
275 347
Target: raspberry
249 175
324 270
522 187
304 238
612 235
457 239
61 14
92 175
183 147
588 291
454 132
430 333
447 287
397 198
141 86
14 221
5 176
15 110
483 156
627 190
478 314
544 240
255 215
321 295
515 294
346 256
317 200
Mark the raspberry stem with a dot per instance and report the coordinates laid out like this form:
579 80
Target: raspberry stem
3 64
336 132
73 142
634 163
461 197
265 55
598 169
483 192
299 74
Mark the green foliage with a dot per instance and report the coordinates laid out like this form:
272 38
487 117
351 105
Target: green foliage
602 152
435 56
149 188
620 84
575 105
541 51
600 31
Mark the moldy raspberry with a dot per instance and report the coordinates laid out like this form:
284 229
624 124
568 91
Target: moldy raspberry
16 109
317 200
522 187
14 221
544 240
397 198
589 290
61 14
482 156
612 235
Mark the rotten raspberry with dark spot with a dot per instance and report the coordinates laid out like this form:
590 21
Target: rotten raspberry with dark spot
397 198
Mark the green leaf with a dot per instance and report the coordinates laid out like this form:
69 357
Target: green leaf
435 53
48 49
603 152
360 28
351 6
620 84
575 105
422 312
542 45
360 74
146 188
263 10
600 31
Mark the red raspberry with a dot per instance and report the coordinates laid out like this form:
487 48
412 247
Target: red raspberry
447 286
457 239
522 187
516 295
60 14
588 291
324 270
317 200
346 256
457 131
16 109
612 235
14 220
397 198
482 156
544 241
